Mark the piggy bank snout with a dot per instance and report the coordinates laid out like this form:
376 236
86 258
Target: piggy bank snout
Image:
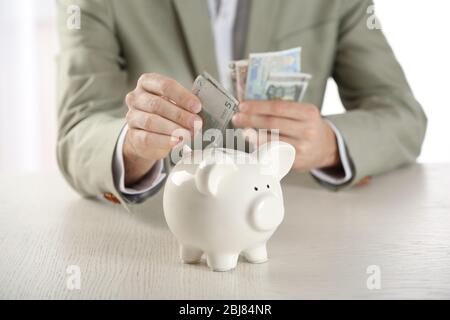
267 212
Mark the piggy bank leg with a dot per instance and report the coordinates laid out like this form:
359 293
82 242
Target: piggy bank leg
190 254
222 262
257 254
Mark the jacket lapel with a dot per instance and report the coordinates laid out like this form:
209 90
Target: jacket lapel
196 28
262 22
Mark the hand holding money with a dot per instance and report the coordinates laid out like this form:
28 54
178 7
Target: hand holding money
158 107
270 87
299 124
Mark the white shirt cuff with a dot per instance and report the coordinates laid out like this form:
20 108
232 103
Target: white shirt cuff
345 161
151 180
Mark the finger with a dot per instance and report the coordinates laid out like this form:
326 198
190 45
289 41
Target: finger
303 148
293 142
171 89
290 110
145 140
256 139
285 126
154 123
153 104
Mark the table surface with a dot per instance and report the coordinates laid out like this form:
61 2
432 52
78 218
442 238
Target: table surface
400 223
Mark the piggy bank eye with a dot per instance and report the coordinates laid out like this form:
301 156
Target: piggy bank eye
268 187
256 188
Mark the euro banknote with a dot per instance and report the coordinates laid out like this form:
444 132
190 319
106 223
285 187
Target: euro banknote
287 86
275 76
218 105
239 71
262 65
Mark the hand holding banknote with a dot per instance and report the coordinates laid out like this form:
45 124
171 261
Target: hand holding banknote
299 124
271 87
158 107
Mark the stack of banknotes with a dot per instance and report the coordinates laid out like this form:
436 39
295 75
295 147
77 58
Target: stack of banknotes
264 76
270 76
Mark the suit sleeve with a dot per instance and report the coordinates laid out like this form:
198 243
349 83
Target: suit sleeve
92 84
384 125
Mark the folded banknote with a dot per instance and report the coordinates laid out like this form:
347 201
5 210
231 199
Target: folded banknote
218 105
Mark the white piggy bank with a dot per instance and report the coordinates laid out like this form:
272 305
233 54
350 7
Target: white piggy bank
227 202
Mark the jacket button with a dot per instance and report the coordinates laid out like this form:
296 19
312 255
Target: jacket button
111 198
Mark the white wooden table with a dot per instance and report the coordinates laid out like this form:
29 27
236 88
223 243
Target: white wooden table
399 223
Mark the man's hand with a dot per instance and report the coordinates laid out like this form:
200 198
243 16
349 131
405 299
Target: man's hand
300 125
157 107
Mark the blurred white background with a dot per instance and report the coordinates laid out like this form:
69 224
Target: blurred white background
417 29
27 79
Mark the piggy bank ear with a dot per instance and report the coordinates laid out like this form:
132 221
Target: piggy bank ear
276 158
211 171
